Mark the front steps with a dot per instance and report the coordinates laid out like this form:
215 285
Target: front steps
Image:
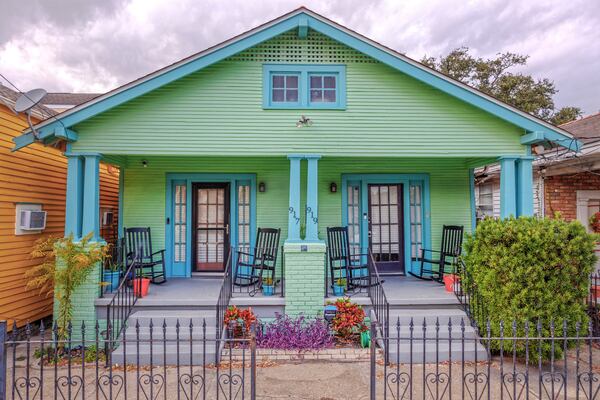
164 349
435 343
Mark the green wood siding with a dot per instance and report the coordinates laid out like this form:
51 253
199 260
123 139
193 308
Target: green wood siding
218 111
145 188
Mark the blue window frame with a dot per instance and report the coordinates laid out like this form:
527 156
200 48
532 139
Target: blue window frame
304 86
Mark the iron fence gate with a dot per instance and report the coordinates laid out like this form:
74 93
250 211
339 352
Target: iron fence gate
441 360
158 362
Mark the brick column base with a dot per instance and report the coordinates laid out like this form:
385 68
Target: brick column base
304 278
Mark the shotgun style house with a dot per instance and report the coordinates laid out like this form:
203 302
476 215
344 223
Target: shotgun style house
298 125
35 179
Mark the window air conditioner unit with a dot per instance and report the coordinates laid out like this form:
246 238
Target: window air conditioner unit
32 220
107 218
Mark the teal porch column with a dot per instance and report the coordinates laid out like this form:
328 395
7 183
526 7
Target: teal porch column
74 206
508 186
525 186
91 196
294 213
312 205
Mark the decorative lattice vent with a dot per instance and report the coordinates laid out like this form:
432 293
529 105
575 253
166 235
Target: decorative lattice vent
316 48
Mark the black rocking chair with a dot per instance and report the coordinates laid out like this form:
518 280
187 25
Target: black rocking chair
452 237
342 263
139 246
258 263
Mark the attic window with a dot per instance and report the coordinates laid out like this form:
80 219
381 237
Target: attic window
304 86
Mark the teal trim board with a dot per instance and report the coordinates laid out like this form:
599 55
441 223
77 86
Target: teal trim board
74 201
304 73
525 186
294 213
363 181
508 187
91 196
312 203
472 199
184 268
300 20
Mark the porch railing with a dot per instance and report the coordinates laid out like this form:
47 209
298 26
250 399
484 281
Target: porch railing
116 262
224 297
379 302
121 305
468 295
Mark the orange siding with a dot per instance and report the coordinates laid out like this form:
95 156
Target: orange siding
36 174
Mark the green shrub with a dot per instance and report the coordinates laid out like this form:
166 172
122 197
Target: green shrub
530 269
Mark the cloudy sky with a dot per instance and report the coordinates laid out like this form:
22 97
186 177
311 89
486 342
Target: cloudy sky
94 46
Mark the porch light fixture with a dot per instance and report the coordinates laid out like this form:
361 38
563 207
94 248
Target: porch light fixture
333 187
304 121
145 163
262 187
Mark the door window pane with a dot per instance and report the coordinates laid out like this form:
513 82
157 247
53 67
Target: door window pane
179 223
244 217
416 219
353 213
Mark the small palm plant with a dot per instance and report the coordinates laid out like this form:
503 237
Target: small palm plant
76 259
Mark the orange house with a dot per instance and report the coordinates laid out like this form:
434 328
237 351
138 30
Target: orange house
35 179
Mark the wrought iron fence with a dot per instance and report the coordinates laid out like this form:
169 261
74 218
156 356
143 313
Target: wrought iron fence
379 301
159 362
121 305
445 359
593 306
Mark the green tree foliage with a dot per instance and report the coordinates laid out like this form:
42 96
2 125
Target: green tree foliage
494 77
66 264
530 269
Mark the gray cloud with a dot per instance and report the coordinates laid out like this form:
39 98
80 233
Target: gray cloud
74 45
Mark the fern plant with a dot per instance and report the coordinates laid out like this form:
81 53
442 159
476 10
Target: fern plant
77 260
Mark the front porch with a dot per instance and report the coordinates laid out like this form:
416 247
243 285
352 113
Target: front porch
203 293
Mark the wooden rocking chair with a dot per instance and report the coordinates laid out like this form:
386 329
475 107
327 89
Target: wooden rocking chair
450 249
258 263
139 246
342 263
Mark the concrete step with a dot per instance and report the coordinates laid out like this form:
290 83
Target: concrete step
456 333
401 353
429 316
171 317
159 354
170 333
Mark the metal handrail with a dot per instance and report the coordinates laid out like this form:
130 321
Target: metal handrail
468 295
224 296
119 308
381 305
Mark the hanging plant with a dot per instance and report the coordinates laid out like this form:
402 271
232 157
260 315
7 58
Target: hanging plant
595 222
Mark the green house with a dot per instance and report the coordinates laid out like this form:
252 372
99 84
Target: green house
299 124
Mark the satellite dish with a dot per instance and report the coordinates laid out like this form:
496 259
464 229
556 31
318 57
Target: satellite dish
26 102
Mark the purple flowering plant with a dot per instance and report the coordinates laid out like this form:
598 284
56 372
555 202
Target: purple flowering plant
300 333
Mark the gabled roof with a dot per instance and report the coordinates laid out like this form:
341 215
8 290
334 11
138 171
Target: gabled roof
301 19
586 129
68 99
9 97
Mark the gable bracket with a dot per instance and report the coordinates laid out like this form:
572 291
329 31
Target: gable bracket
552 137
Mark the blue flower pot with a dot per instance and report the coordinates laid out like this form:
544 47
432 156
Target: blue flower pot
338 290
268 290
112 278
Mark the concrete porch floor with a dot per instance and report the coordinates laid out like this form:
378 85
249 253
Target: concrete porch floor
204 291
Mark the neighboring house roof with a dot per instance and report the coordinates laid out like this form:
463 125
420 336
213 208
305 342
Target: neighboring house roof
586 129
9 98
67 100
301 19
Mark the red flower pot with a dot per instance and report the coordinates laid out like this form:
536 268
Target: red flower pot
449 281
140 286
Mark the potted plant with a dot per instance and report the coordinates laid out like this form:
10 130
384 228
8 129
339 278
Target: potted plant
450 280
239 321
339 286
268 286
111 275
